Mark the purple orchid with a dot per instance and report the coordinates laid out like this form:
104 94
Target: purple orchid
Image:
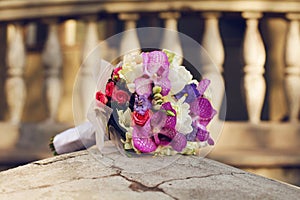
179 142
190 91
158 130
202 113
202 110
141 139
192 135
202 86
155 71
141 104
203 135
199 133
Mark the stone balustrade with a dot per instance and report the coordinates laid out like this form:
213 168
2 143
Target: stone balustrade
18 16
254 53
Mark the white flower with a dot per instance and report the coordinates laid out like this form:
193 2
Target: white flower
183 118
132 68
125 118
179 77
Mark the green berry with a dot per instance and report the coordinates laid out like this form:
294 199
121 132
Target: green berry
156 89
170 113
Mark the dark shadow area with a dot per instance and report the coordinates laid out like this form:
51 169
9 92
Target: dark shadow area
232 31
2 71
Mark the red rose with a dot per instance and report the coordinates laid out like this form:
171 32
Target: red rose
109 88
101 97
115 74
120 96
140 119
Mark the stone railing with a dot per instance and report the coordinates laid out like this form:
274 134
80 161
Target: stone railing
15 16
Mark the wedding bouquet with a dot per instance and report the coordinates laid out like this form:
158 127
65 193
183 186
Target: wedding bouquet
153 105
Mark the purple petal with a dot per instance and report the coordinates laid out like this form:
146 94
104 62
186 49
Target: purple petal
203 85
170 121
205 121
165 136
154 62
156 139
167 106
165 84
158 121
210 141
168 132
202 135
202 108
142 140
161 72
179 142
143 86
141 104
190 91
192 135
145 145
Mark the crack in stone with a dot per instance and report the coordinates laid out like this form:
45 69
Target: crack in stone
135 186
140 187
40 163
234 173
187 178
197 177
67 181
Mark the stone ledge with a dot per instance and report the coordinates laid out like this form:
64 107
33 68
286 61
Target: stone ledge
268 144
85 175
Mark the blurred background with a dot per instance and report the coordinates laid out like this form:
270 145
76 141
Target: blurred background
256 45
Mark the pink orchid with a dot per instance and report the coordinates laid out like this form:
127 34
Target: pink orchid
155 71
158 130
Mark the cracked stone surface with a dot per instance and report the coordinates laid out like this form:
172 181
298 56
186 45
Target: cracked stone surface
87 175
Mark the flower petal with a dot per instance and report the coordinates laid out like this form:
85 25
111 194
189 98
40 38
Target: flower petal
203 85
158 121
141 138
145 145
155 61
179 142
143 86
171 120
203 108
165 84
202 135
179 77
192 135
210 141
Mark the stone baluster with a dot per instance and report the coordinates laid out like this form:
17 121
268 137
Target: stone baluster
90 56
292 71
70 32
254 60
15 85
212 43
31 34
52 61
171 41
130 41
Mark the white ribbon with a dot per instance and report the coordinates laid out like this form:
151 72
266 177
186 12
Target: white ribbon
92 132
74 139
